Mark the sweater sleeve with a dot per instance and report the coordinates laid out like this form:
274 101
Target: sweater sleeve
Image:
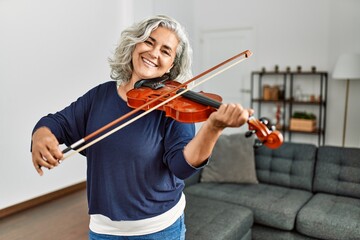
69 124
177 136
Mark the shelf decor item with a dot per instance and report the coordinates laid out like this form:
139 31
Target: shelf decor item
276 69
266 92
302 121
271 92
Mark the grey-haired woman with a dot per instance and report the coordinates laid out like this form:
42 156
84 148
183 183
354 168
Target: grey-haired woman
135 176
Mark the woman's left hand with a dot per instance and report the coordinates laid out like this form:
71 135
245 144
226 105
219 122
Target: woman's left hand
229 115
199 149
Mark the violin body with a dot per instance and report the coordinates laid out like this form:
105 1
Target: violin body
181 108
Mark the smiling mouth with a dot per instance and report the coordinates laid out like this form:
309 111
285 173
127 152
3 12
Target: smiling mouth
149 62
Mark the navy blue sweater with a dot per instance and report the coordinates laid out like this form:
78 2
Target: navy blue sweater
135 173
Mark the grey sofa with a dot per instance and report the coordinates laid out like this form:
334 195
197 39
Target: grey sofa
303 192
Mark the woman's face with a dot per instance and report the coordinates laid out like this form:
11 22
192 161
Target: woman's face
154 57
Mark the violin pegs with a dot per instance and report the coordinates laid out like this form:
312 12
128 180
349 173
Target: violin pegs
266 121
249 133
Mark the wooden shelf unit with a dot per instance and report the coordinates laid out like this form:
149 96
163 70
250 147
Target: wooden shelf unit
259 79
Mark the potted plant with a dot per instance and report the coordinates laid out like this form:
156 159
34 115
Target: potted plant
303 121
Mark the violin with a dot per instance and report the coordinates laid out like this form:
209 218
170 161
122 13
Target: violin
192 107
162 96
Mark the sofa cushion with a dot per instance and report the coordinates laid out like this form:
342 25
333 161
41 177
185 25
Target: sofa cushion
272 205
328 216
260 232
207 219
290 165
232 160
338 171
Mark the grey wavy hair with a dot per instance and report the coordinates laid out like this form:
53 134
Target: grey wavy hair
121 62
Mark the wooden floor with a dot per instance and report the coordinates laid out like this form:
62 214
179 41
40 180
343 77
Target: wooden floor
62 219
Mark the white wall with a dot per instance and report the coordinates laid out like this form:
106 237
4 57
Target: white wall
51 53
287 33
54 51
344 37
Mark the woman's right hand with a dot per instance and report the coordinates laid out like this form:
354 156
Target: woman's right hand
45 150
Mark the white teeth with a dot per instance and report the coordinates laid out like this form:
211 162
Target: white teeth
148 62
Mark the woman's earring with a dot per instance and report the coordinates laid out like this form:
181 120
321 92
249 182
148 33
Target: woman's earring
168 71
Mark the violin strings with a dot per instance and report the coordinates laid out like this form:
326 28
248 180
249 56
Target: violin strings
151 109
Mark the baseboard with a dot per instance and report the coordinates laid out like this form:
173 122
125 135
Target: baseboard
42 199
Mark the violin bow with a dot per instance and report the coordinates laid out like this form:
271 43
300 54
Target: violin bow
241 57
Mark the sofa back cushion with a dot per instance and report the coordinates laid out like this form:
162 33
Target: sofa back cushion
291 165
232 160
338 171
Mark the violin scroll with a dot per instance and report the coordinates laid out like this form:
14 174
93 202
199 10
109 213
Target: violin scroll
265 132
